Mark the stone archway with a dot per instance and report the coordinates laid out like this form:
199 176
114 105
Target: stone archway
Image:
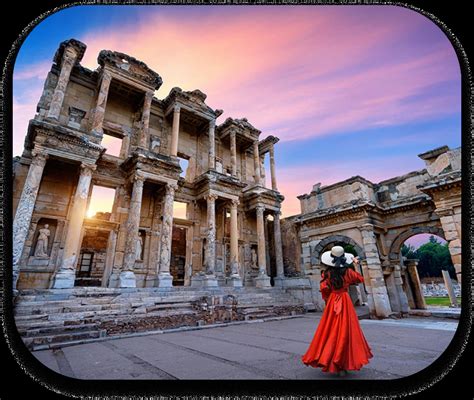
319 248
358 295
395 248
407 280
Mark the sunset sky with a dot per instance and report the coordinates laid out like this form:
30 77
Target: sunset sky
349 90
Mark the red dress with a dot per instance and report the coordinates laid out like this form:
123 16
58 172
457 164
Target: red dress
338 343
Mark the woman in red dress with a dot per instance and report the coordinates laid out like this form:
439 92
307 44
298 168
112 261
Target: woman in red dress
338 344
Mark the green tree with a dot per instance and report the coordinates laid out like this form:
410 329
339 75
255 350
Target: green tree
408 251
433 257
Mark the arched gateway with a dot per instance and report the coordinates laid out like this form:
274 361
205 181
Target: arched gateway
377 218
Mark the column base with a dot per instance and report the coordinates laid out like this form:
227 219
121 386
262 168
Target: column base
114 280
127 279
234 281
263 281
278 280
64 279
196 280
210 281
164 280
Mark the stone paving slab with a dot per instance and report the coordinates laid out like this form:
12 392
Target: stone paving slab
261 350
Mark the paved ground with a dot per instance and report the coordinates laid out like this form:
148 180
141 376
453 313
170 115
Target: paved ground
261 350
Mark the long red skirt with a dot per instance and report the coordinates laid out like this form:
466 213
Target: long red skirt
338 343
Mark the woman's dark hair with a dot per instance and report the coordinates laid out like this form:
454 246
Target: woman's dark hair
336 274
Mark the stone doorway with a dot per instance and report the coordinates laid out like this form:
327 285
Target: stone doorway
92 258
178 255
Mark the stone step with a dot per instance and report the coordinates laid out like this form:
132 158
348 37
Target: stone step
57 330
30 342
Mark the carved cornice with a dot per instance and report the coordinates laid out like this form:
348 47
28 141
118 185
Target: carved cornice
131 66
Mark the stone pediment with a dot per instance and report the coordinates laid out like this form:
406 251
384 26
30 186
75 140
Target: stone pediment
131 66
78 46
194 99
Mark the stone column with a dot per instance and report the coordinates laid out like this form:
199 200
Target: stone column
278 250
165 279
69 59
377 283
449 287
127 276
97 118
210 256
402 297
175 131
453 238
24 211
109 259
262 170
272 168
66 274
233 154
393 293
256 162
262 280
235 279
145 123
416 284
212 145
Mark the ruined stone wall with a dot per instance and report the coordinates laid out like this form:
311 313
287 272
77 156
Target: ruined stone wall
291 246
78 100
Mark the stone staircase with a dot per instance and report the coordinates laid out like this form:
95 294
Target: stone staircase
53 317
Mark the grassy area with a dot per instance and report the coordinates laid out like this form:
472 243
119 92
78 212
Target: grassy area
439 301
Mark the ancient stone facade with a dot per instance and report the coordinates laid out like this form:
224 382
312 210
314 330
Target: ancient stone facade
228 203
376 219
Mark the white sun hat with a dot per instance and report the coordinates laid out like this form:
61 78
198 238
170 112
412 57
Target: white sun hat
329 257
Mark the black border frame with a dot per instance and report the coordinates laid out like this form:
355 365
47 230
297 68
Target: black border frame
44 381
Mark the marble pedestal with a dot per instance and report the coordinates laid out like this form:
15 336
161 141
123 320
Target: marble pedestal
164 280
64 279
127 279
263 281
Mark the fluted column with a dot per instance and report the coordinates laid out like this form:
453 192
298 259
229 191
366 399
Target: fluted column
175 131
211 234
233 154
127 276
69 59
98 113
272 168
262 280
235 279
24 211
262 170
212 145
145 123
278 247
165 279
256 162
66 273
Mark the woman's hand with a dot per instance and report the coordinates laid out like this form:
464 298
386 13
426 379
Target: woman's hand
355 261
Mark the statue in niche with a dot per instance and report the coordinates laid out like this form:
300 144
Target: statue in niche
138 251
41 249
254 264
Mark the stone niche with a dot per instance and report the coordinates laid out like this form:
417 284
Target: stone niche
44 236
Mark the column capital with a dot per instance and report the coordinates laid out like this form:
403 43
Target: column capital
212 197
39 158
234 203
170 188
149 95
367 227
177 108
87 169
260 208
277 213
446 212
106 77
